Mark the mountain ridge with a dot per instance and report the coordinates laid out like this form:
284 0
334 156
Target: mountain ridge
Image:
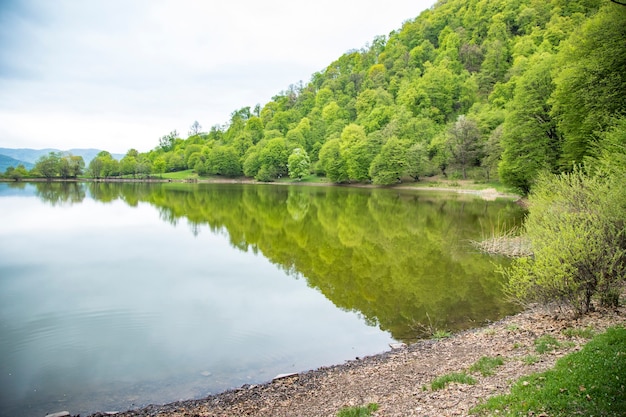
29 156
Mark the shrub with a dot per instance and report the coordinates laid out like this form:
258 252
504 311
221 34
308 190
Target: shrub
576 229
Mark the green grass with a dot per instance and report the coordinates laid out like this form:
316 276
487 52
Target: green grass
460 377
590 382
546 343
308 179
584 333
178 175
441 334
487 365
530 359
365 411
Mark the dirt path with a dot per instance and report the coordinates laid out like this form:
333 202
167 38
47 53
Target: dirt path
399 380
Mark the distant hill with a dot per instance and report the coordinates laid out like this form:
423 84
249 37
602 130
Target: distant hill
27 155
7 161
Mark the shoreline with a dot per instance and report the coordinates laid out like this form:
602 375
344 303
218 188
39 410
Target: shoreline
398 379
488 194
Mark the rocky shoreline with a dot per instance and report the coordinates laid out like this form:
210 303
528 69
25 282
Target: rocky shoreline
399 380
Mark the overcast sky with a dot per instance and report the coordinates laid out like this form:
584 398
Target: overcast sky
119 74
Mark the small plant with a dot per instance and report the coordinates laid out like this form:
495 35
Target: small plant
546 343
530 359
364 411
486 365
512 327
441 334
459 377
586 333
489 332
517 345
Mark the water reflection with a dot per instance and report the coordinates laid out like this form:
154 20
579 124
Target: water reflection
104 305
401 259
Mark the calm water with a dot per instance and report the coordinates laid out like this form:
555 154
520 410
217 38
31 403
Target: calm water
114 296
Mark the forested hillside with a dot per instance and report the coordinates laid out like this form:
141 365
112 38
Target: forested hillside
469 89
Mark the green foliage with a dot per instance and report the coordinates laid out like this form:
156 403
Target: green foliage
545 344
299 164
55 164
440 334
389 165
331 161
417 163
224 160
48 165
166 142
393 256
486 365
591 82
458 377
585 333
588 382
356 411
463 140
530 359
530 142
576 229
16 173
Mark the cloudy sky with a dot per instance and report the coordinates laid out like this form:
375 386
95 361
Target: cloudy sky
118 74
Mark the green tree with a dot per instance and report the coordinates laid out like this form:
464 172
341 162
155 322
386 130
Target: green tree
48 165
273 158
103 165
77 165
389 165
591 81
332 163
166 143
128 165
299 164
417 163
530 140
159 165
16 173
463 140
224 160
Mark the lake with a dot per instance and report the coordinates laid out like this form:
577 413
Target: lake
114 296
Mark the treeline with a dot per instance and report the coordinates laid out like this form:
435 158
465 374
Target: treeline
469 89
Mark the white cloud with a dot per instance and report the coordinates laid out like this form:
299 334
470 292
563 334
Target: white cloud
128 72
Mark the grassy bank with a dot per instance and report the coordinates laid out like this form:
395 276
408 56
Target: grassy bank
590 382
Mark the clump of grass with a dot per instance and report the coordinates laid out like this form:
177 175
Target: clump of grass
530 359
585 333
489 332
460 377
512 327
487 365
505 241
441 334
546 343
588 382
364 411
